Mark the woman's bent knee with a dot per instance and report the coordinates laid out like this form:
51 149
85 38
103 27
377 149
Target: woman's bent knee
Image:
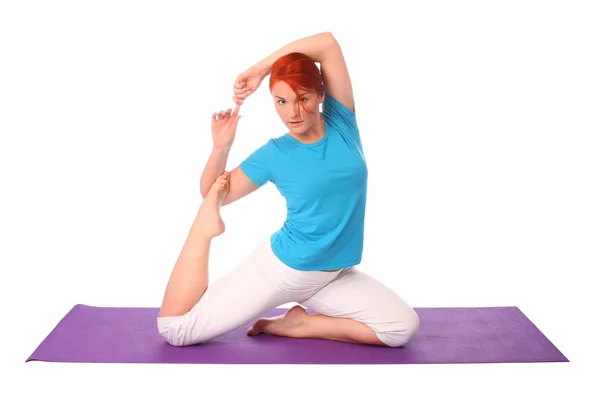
401 332
174 330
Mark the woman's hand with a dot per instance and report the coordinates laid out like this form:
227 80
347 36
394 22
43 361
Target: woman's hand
247 82
224 124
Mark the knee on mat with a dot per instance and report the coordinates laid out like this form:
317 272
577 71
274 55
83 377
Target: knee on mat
402 331
174 332
174 340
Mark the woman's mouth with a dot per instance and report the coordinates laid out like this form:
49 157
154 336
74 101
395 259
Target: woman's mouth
296 123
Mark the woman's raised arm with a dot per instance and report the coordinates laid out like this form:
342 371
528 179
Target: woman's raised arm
323 48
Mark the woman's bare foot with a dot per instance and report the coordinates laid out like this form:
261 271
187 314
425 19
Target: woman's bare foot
287 325
209 214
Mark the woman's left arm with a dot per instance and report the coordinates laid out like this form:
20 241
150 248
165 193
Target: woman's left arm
336 76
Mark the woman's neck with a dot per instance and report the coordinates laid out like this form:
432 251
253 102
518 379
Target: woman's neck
313 134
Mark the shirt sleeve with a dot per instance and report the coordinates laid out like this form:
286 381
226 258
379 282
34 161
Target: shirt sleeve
344 118
257 165
339 112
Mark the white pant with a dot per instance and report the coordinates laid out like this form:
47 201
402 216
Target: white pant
262 282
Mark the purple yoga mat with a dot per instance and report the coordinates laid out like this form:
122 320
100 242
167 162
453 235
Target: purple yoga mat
446 335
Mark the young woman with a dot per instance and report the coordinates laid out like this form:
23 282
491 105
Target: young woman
319 167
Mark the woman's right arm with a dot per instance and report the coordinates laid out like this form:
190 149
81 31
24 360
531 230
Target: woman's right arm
239 184
223 127
214 167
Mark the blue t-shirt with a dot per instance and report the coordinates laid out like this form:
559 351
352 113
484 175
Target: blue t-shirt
325 187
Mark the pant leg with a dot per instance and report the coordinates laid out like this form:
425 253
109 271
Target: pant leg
354 294
232 300
260 283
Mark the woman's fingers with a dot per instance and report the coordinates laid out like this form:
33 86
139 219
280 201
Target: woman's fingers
236 110
239 85
228 113
241 96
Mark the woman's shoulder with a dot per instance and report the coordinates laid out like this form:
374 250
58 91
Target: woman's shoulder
333 106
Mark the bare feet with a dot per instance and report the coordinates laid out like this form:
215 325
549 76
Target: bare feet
287 325
209 214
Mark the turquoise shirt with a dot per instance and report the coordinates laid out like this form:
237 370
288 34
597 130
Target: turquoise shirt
325 187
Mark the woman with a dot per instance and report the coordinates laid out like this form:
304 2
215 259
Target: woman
320 169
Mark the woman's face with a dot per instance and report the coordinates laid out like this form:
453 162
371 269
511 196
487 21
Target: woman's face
290 110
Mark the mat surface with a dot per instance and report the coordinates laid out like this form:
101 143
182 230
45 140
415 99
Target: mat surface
446 335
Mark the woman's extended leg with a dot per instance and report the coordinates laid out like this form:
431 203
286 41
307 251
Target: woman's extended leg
189 278
228 302
194 311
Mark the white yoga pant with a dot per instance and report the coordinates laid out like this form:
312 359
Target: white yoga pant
262 282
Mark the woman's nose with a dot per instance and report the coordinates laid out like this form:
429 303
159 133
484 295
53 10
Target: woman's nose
295 110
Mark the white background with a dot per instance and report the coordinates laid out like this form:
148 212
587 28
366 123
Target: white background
479 120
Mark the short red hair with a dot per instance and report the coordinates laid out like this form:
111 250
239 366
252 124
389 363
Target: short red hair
299 71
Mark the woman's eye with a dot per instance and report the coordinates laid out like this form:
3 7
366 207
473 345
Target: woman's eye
280 101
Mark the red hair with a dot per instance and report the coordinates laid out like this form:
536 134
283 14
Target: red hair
298 71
